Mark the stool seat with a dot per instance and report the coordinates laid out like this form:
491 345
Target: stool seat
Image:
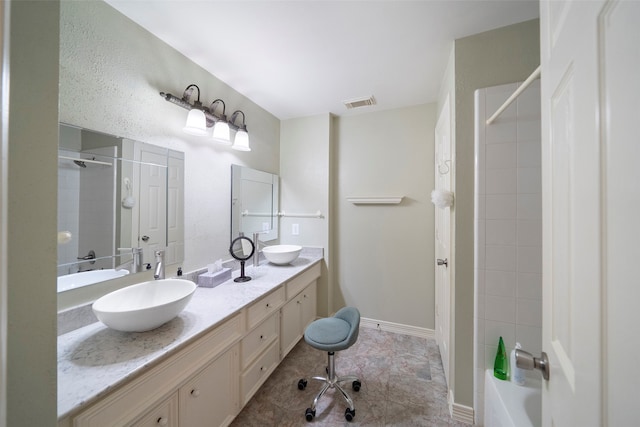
333 334
328 334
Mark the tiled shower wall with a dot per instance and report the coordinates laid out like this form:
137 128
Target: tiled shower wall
508 228
68 210
86 200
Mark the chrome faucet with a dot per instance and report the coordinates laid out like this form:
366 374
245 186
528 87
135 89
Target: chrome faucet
136 262
159 271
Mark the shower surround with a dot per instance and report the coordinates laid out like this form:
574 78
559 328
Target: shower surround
508 228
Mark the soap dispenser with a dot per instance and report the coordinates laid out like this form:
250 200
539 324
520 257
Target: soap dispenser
517 374
501 365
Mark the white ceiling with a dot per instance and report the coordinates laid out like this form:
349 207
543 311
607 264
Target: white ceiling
304 57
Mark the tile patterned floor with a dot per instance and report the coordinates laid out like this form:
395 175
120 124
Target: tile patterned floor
402 385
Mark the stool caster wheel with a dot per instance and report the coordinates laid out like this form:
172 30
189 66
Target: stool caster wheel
309 414
356 385
302 384
349 414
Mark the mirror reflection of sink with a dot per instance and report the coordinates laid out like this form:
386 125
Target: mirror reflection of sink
144 306
281 254
77 280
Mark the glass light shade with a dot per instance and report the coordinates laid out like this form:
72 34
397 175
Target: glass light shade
221 133
196 123
241 142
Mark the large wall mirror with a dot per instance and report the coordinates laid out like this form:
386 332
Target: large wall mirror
254 203
118 201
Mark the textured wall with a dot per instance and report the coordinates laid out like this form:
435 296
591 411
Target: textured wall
111 73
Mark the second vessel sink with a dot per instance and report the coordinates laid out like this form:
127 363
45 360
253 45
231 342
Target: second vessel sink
77 280
281 254
145 306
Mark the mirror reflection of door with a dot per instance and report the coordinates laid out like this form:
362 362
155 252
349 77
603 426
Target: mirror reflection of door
153 212
175 208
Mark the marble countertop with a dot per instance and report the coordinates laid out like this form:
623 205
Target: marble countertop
94 359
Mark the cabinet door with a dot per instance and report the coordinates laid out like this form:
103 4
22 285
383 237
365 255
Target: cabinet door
308 306
211 398
296 315
290 331
165 414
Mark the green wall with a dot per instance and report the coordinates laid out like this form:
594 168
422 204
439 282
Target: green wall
505 55
32 127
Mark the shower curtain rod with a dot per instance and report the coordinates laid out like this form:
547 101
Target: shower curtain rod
514 95
78 159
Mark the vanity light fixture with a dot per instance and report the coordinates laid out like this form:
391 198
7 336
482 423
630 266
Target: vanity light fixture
200 118
221 133
196 120
241 141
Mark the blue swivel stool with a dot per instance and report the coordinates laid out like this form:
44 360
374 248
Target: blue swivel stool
333 334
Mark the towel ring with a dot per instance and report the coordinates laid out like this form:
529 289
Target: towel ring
446 164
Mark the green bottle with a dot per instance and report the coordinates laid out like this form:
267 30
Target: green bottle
501 365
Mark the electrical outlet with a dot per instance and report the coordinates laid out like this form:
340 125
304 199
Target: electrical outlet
295 229
266 226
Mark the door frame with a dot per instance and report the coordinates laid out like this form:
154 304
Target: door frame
444 119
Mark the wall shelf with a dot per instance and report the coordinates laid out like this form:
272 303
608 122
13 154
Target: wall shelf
375 200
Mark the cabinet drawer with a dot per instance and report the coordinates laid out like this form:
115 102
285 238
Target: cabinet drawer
257 373
295 285
258 339
165 414
263 308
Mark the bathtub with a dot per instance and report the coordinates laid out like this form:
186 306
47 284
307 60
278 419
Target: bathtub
509 405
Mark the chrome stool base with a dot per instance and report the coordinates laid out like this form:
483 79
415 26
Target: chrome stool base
332 381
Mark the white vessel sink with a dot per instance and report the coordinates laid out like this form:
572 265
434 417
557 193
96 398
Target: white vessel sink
77 280
145 306
281 254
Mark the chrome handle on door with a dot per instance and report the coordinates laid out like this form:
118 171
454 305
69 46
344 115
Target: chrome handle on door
145 238
525 360
444 262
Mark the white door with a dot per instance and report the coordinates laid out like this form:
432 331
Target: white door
153 204
443 173
590 164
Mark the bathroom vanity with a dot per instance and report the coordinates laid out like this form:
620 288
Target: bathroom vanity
199 369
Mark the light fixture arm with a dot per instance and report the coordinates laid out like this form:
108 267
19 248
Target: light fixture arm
233 120
211 115
212 107
186 96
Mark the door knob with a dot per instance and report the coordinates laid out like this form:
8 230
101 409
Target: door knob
444 262
526 360
145 238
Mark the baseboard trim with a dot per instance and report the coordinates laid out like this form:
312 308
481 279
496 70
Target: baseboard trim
397 328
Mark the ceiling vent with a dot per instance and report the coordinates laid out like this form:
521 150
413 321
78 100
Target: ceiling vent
360 102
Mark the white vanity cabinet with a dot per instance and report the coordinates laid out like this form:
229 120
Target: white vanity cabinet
300 309
152 395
